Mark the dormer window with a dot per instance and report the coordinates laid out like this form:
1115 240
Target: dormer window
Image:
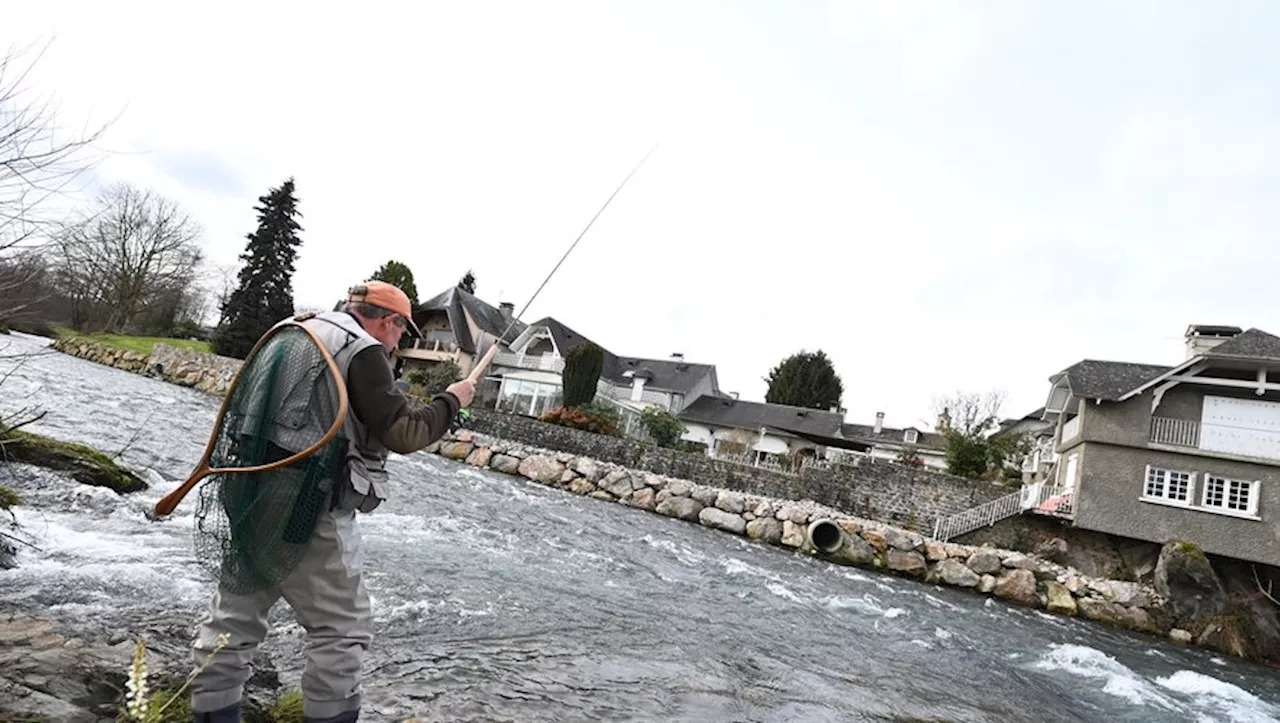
910 436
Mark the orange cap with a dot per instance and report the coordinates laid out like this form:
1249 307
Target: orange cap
386 296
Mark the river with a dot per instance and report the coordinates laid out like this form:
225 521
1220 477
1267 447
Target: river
498 599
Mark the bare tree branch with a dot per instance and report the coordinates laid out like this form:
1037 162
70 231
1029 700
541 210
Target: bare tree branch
38 160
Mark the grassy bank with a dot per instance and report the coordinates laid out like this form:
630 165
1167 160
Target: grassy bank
141 344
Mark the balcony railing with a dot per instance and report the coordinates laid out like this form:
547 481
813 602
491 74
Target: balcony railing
529 361
1071 429
1177 432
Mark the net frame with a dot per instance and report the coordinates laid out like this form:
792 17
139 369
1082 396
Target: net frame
167 504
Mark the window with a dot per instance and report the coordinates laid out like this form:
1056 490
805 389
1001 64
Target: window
1230 495
911 436
529 398
1167 485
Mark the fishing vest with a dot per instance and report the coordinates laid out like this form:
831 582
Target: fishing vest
364 482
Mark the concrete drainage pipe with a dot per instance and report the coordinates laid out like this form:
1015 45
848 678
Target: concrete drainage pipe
825 536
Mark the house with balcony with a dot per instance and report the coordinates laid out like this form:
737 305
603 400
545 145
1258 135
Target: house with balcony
760 432
1189 450
1038 463
530 370
893 444
457 326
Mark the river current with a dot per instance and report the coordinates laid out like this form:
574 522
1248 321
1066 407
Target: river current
498 599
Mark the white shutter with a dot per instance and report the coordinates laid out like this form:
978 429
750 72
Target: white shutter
1240 426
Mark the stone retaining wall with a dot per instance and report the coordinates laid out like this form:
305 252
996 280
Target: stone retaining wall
202 371
1019 578
873 489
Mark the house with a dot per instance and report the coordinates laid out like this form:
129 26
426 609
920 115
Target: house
761 431
1039 432
530 369
1182 451
457 326
892 444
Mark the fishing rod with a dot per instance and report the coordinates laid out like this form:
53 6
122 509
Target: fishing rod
483 365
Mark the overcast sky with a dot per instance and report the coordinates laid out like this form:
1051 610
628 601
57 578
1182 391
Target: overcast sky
941 199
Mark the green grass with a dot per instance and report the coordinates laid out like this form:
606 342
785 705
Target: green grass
141 344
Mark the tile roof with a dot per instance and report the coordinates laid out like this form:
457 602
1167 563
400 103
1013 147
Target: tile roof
1251 344
742 414
453 300
892 436
1109 380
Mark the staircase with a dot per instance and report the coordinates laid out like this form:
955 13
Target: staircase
1037 497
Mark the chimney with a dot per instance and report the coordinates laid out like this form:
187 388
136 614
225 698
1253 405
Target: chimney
508 309
879 423
1203 337
734 395
637 388
678 356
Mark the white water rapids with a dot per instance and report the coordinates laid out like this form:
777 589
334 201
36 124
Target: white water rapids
498 599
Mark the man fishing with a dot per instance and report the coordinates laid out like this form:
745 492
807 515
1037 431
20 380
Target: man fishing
326 589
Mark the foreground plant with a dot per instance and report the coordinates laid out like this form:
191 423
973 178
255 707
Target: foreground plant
144 707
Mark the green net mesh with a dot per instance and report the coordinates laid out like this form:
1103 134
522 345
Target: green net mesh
253 528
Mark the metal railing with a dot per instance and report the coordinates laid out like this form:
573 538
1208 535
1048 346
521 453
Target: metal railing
1179 432
529 361
1036 497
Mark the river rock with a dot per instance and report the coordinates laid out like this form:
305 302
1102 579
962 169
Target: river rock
1017 585
1105 611
902 540
854 551
617 483
731 502
683 508
602 495
663 494
479 457
911 563
580 486
987 584
721 520
456 450
704 494
875 539
1054 549
568 476
955 572
644 499
1018 561
587 467
541 468
793 535
984 562
764 509
505 464
1125 593
680 487
850 527
1059 599
1187 580
935 551
1179 635
766 529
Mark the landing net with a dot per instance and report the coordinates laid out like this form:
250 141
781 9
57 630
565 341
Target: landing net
253 528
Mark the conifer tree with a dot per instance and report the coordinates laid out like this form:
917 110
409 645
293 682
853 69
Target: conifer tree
264 293
399 275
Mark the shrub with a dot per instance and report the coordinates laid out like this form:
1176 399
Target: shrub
434 379
588 418
582 368
664 427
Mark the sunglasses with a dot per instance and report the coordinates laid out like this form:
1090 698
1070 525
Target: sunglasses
400 322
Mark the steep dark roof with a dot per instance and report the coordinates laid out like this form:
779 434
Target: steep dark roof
452 301
672 375
890 435
1251 344
753 415
1109 380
